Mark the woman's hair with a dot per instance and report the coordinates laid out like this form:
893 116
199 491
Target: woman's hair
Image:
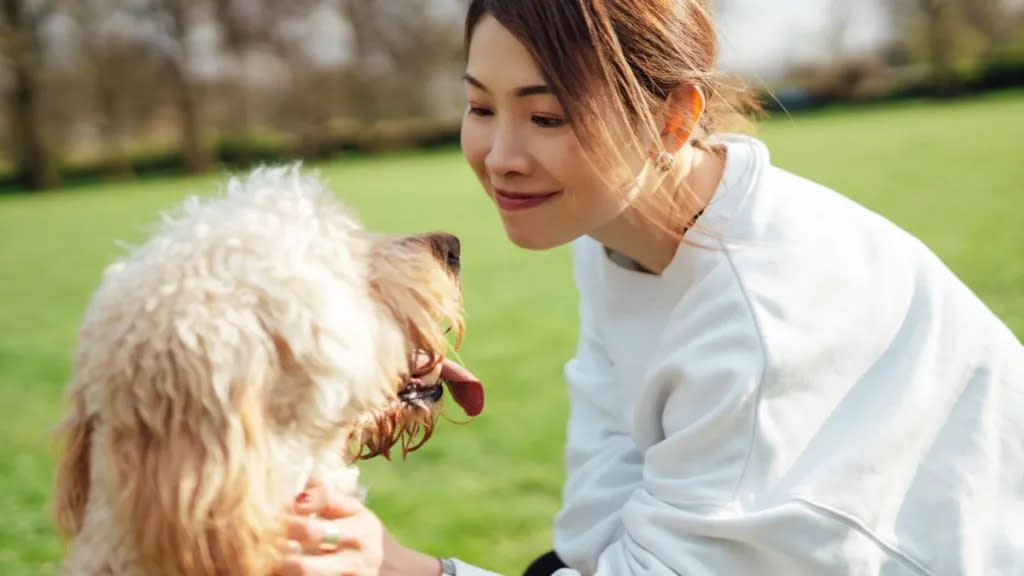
623 57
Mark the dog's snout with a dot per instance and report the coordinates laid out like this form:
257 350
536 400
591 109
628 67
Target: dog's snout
448 250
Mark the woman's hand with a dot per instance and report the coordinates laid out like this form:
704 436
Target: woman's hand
346 539
402 561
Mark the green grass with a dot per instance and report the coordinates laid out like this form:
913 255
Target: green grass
949 173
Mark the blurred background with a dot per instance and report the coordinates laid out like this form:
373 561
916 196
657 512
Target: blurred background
114 110
116 88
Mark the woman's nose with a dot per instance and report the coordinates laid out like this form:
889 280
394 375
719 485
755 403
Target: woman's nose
508 154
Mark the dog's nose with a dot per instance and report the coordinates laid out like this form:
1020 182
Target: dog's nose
448 249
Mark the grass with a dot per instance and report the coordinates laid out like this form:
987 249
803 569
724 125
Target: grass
949 173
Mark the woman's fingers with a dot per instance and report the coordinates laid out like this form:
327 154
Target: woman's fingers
331 534
331 547
318 534
342 563
318 501
315 534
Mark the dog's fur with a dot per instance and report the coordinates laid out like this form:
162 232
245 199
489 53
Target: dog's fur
256 342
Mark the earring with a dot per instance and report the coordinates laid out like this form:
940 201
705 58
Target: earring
664 161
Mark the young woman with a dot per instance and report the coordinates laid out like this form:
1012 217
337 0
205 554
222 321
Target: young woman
770 379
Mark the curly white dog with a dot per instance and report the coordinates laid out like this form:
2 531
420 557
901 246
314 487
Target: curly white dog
259 340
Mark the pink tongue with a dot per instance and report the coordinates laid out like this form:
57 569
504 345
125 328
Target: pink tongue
464 387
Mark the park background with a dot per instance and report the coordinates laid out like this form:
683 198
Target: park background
113 110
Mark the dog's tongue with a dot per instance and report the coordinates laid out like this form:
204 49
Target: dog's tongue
464 387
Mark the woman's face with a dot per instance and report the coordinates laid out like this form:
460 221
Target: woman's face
526 155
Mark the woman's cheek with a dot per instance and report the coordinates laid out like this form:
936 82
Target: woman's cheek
474 144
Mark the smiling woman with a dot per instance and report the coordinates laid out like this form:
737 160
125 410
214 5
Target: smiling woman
517 138
769 378
558 127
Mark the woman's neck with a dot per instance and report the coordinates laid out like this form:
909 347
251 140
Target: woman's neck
651 238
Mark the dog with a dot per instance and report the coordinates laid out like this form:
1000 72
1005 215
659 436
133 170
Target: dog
259 340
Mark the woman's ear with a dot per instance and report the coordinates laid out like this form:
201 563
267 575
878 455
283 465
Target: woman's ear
685 107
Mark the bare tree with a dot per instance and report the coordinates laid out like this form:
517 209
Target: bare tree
940 32
243 25
935 20
943 23
361 16
399 49
992 20
21 41
109 54
844 73
178 17
837 28
309 100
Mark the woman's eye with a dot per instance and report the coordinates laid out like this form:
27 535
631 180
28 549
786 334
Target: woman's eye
477 111
548 121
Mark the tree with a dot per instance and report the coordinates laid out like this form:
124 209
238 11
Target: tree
109 54
178 18
244 27
992 20
943 24
310 98
939 26
22 44
400 48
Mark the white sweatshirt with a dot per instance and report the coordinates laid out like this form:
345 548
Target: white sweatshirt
812 392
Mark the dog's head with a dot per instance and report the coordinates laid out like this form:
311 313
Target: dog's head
254 328
406 279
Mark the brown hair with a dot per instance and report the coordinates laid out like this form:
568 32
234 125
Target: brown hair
629 54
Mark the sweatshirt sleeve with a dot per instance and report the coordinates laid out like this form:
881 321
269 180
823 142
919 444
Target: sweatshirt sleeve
603 466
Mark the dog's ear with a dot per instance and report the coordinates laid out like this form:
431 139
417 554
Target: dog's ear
71 490
188 449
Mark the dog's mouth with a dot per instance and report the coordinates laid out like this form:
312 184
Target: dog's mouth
416 392
410 419
465 388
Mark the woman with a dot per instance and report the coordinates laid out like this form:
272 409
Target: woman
769 378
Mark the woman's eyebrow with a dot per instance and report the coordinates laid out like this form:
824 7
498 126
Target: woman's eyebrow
520 92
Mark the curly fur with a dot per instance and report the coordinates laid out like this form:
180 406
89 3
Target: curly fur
255 342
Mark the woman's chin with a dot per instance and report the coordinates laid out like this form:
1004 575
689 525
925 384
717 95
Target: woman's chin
535 239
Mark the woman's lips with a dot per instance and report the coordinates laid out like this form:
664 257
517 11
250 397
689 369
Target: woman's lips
515 201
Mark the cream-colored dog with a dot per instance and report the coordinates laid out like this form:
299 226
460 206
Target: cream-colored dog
258 341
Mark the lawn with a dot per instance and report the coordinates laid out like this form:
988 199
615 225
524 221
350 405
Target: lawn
950 173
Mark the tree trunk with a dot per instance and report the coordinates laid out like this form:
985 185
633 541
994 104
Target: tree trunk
939 21
36 165
361 90
239 36
187 97
187 94
990 18
107 68
114 131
